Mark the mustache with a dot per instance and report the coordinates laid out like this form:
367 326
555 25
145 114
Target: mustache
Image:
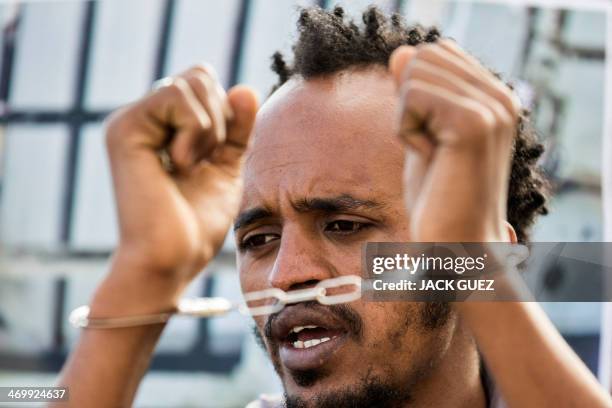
342 312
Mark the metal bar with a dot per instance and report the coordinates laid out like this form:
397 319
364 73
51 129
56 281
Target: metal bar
52 362
238 45
530 38
587 53
51 116
75 125
164 39
557 40
9 42
58 314
201 344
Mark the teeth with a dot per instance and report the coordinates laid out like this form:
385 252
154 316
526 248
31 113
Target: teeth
298 329
309 343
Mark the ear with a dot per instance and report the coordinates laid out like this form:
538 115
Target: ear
511 233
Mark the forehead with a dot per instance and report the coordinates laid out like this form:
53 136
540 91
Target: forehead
326 136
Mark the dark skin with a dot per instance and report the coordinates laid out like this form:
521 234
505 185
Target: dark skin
326 158
312 219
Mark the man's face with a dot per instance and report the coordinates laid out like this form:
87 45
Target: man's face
323 177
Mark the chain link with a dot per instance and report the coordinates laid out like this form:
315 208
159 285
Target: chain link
319 292
211 307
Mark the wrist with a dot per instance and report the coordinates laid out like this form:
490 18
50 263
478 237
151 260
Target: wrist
133 288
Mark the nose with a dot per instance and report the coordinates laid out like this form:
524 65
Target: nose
300 262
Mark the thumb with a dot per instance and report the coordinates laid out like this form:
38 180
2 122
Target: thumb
399 60
244 103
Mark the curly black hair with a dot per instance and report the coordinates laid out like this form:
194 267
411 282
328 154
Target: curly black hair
328 43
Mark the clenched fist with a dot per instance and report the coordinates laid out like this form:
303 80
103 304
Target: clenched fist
172 223
459 122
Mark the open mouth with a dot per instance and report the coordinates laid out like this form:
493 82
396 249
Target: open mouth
304 337
308 337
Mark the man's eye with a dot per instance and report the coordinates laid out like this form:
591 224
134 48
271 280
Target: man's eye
344 226
257 240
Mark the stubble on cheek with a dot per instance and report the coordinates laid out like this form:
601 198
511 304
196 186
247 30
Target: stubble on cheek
269 347
407 340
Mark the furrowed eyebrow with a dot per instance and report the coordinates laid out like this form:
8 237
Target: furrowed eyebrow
251 216
341 203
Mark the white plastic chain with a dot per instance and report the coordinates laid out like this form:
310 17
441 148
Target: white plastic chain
218 306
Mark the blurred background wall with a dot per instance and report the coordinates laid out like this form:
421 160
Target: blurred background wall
65 64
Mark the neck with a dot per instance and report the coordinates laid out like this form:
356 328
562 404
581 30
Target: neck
455 381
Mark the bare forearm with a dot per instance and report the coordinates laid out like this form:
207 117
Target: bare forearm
528 358
107 365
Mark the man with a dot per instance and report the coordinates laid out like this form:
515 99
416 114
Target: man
325 172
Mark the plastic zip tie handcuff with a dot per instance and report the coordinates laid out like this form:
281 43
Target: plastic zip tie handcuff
205 307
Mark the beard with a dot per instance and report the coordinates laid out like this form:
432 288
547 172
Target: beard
370 392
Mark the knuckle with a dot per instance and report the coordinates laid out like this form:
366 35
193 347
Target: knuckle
515 105
427 49
449 42
415 94
482 122
486 121
505 94
428 52
205 73
205 68
501 116
202 69
504 120
209 84
198 123
410 89
420 68
206 86
199 83
116 125
177 88
511 106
